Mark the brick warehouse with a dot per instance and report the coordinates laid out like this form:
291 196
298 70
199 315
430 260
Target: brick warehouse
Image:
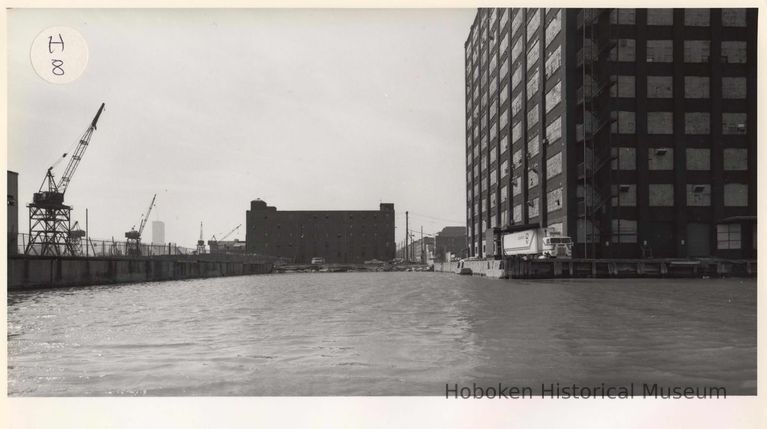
343 236
654 155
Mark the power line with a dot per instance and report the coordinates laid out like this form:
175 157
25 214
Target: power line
436 218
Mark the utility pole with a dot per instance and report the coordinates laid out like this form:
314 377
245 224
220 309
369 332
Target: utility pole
423 259
87 237
407 231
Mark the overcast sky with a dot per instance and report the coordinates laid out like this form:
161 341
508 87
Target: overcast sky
210 109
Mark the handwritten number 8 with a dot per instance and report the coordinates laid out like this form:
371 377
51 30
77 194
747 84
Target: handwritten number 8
57 70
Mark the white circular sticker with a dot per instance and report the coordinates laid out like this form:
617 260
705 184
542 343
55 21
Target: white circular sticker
59 54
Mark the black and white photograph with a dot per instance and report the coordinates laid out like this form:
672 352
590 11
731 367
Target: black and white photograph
508 204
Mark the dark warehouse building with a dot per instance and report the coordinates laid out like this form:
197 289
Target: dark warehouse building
633 131
343 236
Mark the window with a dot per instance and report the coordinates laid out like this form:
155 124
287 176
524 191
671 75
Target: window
534 145
504 68
660 158
660 51
698 195
728 236
660 123
661 195
624 231
697 51
660 16
624 195
504 94
734 17
554 130
533 54
554 200
504 42
516 186
516 78
516 105
532 117
516 132
533 207
517 214
532 178
696 87
504 143
626 123
696 17
504 194
734 87
553 61
624 16
516 22
533 24
505 168
554 165
552 29
735 159
735 195
659 87
734 52
697 123
625 51
733 123
624 158
698 159
625 87
553 97
533 83
516 49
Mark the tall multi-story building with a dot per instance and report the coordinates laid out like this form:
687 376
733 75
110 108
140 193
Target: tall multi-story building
13 212
158 232
633 131
339 236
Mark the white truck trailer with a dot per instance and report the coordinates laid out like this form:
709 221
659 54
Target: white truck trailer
537 243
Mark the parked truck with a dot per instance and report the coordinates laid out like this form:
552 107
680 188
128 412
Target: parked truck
537 243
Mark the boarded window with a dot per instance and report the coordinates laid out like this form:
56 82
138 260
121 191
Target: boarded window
552 29
505 168
532 179
516 185
660 51
534 145
698 159
554 61
624 231
533 207
660 16
660 87
697 123
698 195
624 195
696 87
625 87
623 158
660 123
554 130
734 17
624 51
661 195
735 159
660 158
625 124
734 52
735 195
696 17
554 200
516 159
553 97
697 51
554 165
734 87
733 123
623 16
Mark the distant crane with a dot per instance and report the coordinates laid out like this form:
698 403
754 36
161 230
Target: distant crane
213 242
200 243
133 237
76 234
49 217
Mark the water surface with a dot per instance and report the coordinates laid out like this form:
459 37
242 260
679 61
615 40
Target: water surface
378 334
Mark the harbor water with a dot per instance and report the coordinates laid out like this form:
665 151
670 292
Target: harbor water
402 333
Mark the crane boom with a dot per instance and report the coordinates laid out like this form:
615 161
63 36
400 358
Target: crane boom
74 161
149 210
230 232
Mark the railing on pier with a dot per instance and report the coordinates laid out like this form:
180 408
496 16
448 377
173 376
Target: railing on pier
108 248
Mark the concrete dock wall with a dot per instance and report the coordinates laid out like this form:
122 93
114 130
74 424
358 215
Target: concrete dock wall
31 272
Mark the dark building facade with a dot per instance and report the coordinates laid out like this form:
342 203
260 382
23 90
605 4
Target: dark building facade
633 131
452 239
13 212
343 236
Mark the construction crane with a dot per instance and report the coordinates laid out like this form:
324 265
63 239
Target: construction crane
200 243
133 237
49 217
76 235
213 242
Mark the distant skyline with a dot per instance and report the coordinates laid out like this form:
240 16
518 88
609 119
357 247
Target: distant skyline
307 109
